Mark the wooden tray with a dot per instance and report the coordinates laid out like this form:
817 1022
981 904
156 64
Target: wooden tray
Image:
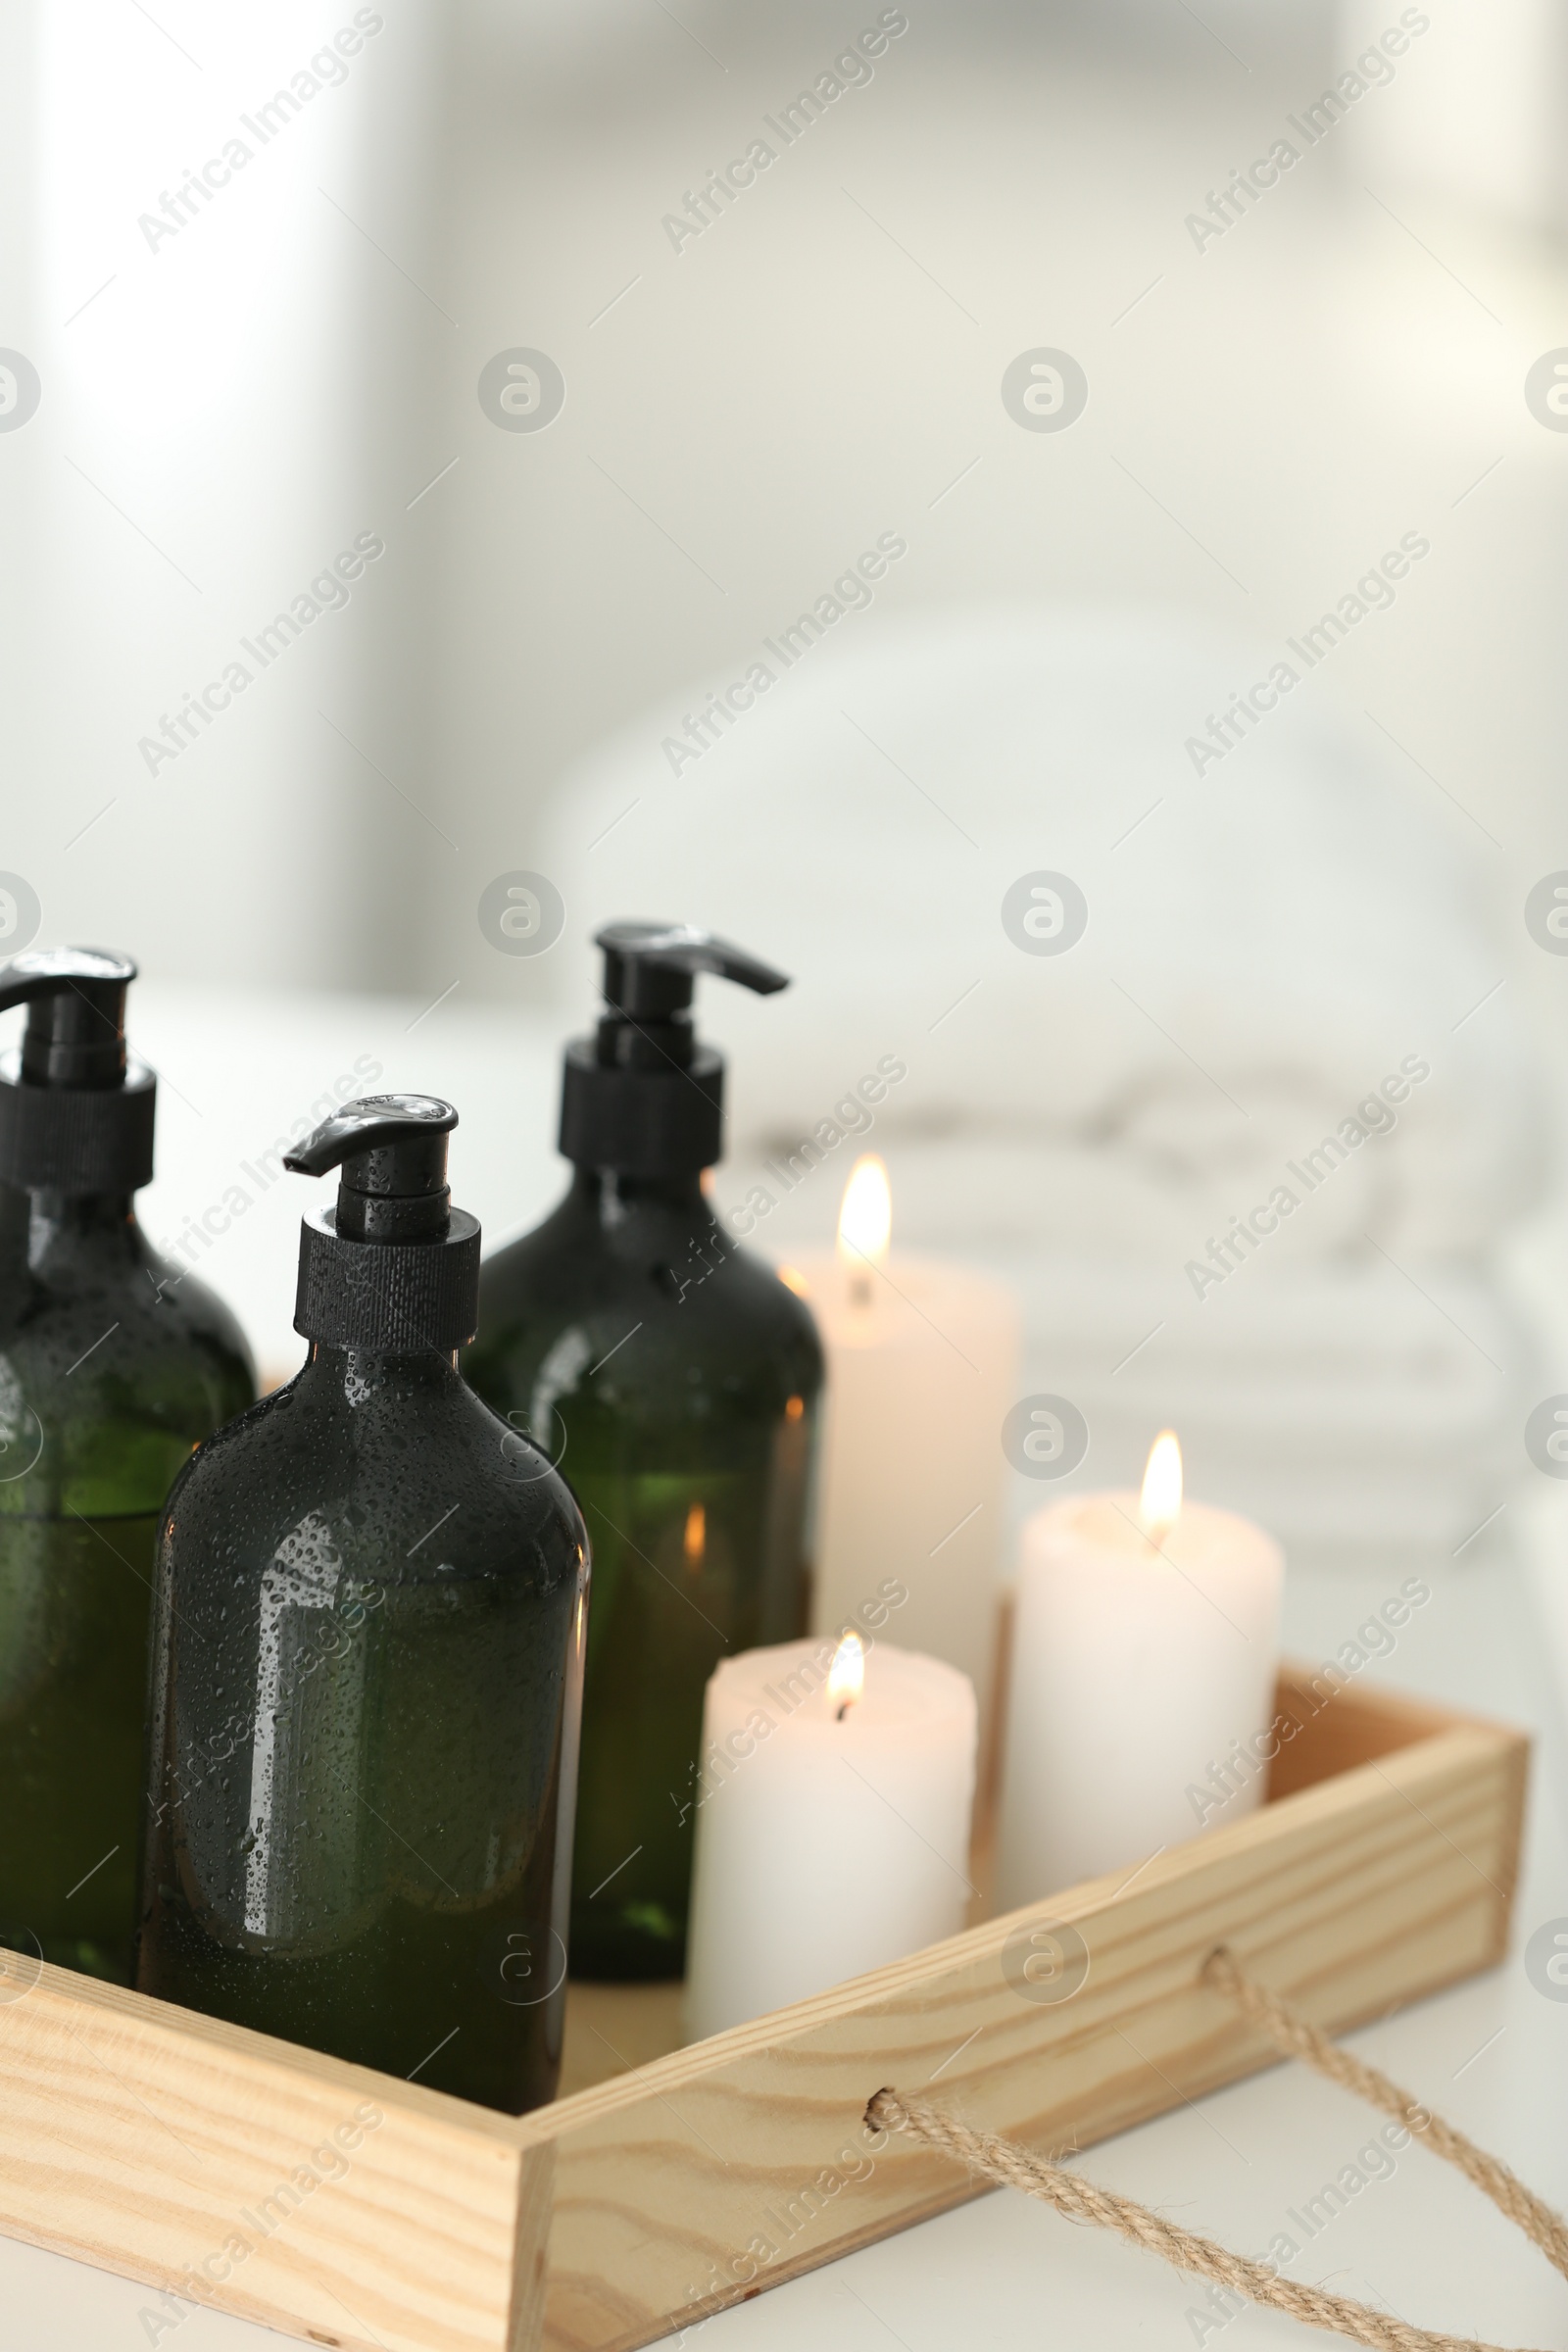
248 2174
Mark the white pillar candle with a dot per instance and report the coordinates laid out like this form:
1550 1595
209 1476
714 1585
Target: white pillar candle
832 1824
923 1367
1146 1639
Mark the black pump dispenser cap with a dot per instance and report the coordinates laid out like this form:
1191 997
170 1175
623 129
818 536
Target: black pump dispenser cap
76 1113
642 1097
391 1264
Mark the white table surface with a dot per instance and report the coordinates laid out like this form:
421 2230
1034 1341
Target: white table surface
1005 2272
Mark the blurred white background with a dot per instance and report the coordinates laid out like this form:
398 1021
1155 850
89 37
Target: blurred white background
236 386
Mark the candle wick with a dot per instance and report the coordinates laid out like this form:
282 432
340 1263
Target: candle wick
860 1289
843 1711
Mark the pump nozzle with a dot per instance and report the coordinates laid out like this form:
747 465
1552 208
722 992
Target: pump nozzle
391 1264
392 1150
76 997
76 1115
651 968
642 1097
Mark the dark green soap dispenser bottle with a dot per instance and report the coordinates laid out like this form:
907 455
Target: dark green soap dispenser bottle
113 1365
675 1378
367 1668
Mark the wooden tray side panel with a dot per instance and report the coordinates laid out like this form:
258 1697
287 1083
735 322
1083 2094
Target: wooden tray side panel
320 2199
745 2161
353 2210
1339 1725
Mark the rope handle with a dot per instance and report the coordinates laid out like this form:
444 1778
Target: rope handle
1010 2166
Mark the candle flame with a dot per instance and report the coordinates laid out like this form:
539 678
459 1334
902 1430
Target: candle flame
696 1540
1159 1507
846 1677
865 1219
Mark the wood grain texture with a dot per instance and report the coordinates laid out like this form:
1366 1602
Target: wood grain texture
151 2141
145 2139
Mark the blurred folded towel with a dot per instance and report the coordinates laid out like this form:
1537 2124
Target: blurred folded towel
1288 984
